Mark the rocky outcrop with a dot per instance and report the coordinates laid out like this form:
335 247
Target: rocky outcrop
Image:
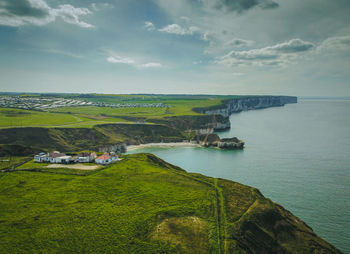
230 143
213 140
247 103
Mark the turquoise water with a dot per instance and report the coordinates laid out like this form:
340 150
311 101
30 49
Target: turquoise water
297 155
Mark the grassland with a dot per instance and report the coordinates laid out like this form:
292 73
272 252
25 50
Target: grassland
10 118
112 210
143 205
175 108
89 116
10 162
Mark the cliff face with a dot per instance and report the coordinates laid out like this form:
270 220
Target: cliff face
248 103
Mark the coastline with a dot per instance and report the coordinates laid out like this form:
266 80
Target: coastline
173 144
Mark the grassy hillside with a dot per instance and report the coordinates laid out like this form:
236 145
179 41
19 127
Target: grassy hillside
75 139
144 205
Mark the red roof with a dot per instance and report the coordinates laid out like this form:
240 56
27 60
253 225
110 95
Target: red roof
55 154
105 156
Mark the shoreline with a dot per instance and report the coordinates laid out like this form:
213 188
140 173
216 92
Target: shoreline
173 144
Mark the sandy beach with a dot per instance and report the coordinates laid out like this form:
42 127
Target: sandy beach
177 144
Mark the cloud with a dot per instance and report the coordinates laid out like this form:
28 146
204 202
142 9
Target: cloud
149 26
243 5
278 54
115 59
121 60
71 15
238 43
151 65
292 46
37 12
179 30
339 43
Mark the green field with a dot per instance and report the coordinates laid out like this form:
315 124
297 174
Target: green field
175 108
89 116
11 118
143 205
9 162
114 209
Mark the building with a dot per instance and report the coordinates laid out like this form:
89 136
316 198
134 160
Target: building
63 160
42 157
57 157
85 157
106 158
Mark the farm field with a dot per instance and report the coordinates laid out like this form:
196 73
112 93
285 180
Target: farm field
175 108
90 116
12 118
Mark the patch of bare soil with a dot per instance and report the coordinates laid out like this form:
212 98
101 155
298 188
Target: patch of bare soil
74 166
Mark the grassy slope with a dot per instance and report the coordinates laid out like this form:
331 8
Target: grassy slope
144 205
114 209
75 139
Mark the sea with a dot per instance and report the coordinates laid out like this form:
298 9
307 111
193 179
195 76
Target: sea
297 155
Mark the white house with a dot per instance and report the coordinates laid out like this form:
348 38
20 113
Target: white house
85 157
42 157
57 157
63 159
106 159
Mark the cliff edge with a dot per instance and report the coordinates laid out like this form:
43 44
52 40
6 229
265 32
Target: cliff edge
247 103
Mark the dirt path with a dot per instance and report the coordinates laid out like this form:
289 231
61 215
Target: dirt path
222 234
73 166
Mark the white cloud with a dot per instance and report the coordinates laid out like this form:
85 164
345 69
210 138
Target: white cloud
38 12
71 15
121 60
278 54
115 59
179 30
339 43
149 26
151 65
292 46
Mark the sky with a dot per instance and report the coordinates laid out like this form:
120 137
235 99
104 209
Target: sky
277 47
